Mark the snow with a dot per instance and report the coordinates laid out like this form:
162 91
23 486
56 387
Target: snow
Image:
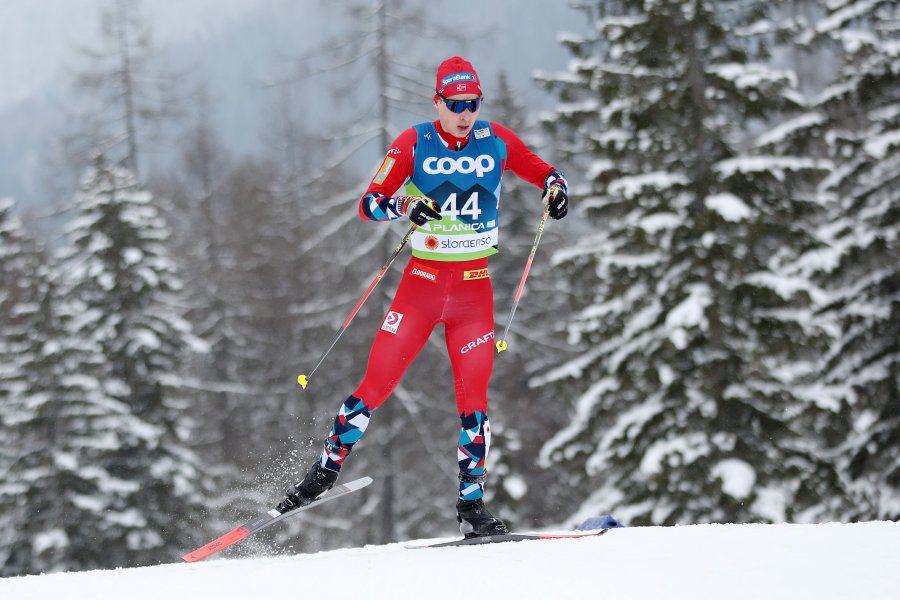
879 146
751 75
54 538
737 476
783 131
771 503
837 19
659 221
631 186
729 206
569 109
785 287
690 313
584 406
515 486
698 562
626 426
688 448
595 169
775 165
621 21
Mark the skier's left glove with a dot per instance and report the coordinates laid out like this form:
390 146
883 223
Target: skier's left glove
556 195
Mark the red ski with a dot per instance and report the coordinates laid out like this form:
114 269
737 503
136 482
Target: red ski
273 516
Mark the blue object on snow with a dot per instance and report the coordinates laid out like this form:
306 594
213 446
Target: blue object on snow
604 522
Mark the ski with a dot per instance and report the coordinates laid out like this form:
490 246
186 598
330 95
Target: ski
269 518
508 537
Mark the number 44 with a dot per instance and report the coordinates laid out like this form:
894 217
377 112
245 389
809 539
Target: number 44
469 209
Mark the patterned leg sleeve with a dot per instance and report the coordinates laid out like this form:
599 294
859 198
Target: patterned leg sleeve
349 426
474 443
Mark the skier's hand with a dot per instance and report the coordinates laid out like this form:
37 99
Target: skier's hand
557 201
419 209
556 195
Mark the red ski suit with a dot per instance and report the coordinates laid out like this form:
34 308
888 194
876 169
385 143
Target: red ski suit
457 293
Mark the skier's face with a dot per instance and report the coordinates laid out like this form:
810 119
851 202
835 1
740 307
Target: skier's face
458 124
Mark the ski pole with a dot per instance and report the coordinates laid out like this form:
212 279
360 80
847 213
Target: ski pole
501 343
303 379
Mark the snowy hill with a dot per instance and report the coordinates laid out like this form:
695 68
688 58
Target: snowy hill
721 562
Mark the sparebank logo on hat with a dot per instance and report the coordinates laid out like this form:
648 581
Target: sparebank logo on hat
456 77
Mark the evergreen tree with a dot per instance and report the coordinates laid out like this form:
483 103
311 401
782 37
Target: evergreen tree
522 415
17 275
15 283
144 494
52 486
57 490
684 400
16 272
857 120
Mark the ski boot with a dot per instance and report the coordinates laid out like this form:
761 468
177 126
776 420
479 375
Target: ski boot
318 480
475 520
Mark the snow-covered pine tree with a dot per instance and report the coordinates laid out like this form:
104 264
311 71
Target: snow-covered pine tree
145 496
684 394
54 483
522 416
17 286
857 119
17 269
50 427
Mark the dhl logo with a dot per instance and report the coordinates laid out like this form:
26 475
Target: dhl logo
475 274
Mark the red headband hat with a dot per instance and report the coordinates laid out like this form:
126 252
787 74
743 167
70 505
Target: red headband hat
456 76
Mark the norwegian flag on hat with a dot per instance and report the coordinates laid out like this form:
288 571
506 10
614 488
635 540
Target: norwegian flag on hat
457 76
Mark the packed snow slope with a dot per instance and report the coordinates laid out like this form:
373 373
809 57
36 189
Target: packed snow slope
716 562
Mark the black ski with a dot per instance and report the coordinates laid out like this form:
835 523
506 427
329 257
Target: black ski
509 537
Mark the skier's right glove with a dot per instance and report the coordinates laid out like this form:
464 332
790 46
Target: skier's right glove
419 209
556 195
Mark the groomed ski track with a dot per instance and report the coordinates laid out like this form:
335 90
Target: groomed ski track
716 562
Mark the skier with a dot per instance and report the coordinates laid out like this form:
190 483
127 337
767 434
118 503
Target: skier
451 169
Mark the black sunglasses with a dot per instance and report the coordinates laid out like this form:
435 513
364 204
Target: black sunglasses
460 106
